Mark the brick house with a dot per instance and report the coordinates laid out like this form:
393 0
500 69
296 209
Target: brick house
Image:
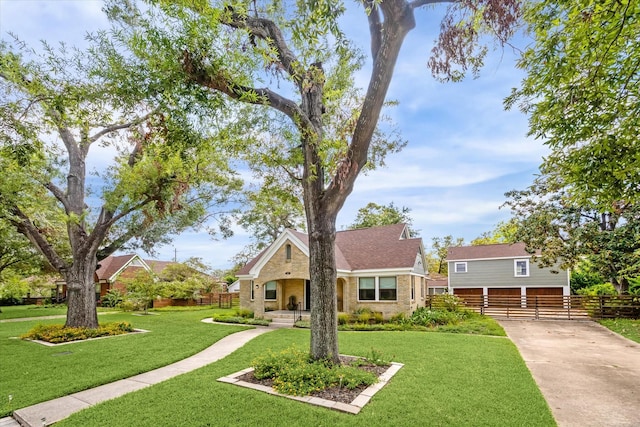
381 268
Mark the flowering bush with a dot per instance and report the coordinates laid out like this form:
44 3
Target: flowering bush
60 333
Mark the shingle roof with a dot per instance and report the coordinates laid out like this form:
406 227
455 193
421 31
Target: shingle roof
365 249
502 250
111 264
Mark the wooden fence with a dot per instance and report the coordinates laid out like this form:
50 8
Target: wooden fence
571 307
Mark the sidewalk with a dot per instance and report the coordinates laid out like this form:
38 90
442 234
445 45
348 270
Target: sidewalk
588 375
47 413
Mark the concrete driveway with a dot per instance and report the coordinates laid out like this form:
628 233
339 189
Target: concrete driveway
589 375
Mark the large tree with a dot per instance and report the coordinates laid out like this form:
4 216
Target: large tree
61 105
582 93
549 219
294 63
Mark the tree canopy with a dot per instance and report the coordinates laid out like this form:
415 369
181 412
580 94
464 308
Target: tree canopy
581 93
374 215
159 170
566 232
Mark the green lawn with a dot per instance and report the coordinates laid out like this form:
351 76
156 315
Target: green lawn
447 380
32 373
629 328
17 311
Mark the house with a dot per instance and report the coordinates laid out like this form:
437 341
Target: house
502 270
380 268
437 284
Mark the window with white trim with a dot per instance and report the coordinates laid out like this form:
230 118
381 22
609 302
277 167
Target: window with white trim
460 267
367 288
270 290
521 267
288 253
387 288
377 289
413 288
251 287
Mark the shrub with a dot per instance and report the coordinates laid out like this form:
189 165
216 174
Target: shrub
426 317
293 372
599 289
60 333
364 317
343 318
447 302
244 312
112 298
241 320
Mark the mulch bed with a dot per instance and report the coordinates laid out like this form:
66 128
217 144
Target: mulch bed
336 394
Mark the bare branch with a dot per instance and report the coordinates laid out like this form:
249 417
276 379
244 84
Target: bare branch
251 95
268 31
375 27
119 126
59 194
24 226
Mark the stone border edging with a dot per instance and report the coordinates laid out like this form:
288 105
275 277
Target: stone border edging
351 408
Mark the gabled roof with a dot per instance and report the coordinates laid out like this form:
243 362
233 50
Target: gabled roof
496 251
374 248
112 265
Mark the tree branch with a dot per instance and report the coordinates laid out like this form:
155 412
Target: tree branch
59 194
247 94
268 31
375 27
24 226
116 127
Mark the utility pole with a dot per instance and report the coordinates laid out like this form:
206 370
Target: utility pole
175 255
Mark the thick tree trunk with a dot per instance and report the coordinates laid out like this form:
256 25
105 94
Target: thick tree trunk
81 295
322 270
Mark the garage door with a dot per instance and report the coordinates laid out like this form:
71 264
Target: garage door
471 296
544 297
504 297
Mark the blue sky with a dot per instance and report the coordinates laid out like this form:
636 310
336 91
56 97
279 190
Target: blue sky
464 151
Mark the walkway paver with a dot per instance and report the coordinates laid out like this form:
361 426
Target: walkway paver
47 413
589 375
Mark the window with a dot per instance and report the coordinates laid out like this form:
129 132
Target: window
270 290
460 267
288 251
387 289
377 289
521 267
413 288
367 289
251 287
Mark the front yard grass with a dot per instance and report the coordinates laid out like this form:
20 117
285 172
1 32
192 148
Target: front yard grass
628 328
20 311
31 373
447 380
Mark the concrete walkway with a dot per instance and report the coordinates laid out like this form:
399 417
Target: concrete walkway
589 375
47 413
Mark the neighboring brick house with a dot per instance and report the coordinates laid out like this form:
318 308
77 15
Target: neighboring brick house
381 268
502 270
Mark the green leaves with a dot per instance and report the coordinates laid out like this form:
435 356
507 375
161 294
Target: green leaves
581 91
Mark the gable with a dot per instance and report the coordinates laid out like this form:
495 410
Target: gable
287 237
375 248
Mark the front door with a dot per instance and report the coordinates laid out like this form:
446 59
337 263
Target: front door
307 295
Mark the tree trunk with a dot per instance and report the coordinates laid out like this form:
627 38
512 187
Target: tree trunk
81 295
322 270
